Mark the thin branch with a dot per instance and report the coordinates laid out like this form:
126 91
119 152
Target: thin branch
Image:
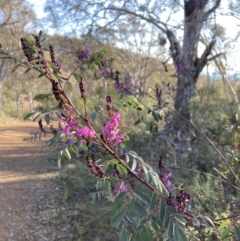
149 19
214 57
206 174
205 54
229 217
210 11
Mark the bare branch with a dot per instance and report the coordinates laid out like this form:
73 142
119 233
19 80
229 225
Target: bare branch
6 20
149 19
210 11
175 47
214 57
203 60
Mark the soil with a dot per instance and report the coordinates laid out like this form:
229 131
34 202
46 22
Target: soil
28 184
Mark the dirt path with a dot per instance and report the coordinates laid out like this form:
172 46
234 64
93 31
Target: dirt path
27 176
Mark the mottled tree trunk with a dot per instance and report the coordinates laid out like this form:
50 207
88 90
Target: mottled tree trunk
188 65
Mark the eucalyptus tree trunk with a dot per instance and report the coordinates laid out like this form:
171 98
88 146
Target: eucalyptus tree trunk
186 60
189 64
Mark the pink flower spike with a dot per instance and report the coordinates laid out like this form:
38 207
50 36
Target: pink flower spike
72 123
111 131
118 140
65 131
85 132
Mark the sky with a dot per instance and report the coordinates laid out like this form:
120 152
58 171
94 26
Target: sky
38 7
231 24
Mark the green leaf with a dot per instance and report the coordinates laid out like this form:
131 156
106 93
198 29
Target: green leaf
139 237
74 149
132 239
153 179
15 60
146 173
83 146
146 234
114 181
166 218
162 211
170 227
183 236
5 57
52 65
39 66
130 219
76 76
97 60
179 218
127 158
40 33
125 222
27 70
197 220
59 160
120 198
69 86
82 69
42 74
225 234
123 234
237 231
57 77
67 153
155 227
139 208
93 116
28 115
134 165
36 116
121 169
142 196
208 222
42 96
117 218
47 118
176 234
224 224
153 201
16 67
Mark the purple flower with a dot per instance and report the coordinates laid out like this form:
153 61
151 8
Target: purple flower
104 73
66 131
182 203
52 55
84 54
128 84
72 123
118 86
94 167
85 132
111 130
121 188
118 139
168 185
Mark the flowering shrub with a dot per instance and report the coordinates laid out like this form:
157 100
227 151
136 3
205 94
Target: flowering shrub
146 204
